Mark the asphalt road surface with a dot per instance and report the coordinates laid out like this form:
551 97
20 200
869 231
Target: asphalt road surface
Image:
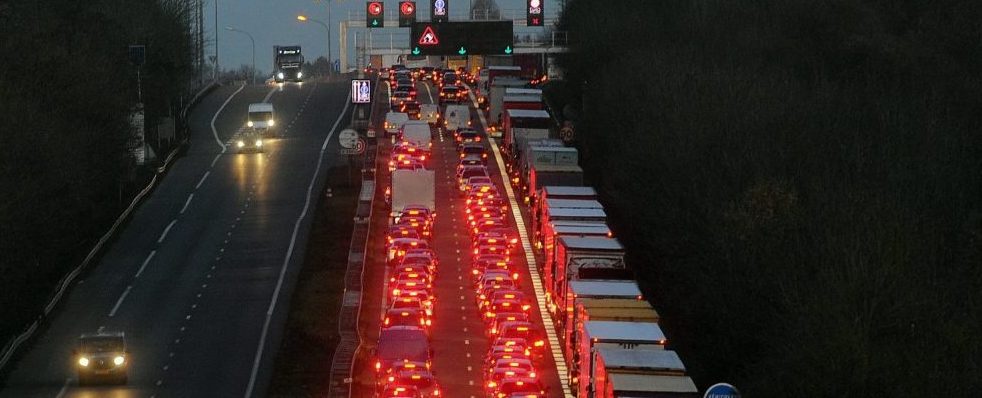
457 336
199 278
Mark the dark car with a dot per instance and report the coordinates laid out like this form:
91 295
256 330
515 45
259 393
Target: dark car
401 343
101 357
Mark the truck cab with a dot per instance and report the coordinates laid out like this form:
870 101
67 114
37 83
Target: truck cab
261 118
101 356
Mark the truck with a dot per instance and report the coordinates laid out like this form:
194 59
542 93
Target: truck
602 309
487 75
287 64
496 98
551 174
515 168
260 118
539 219
579 258
418 133
619 373
412 187
562 192
536 157
554 229
594 335
527 124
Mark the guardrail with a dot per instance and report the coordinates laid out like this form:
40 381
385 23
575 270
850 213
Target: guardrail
11 347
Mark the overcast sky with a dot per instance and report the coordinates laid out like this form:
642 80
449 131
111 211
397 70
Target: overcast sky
273 22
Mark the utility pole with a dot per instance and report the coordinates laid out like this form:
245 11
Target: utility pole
215 72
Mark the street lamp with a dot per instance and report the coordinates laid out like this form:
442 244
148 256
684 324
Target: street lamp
304 18
231 29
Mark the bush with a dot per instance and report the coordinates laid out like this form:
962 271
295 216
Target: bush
797 184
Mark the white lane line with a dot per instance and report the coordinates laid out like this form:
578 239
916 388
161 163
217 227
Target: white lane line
166 230
289 254
120 301
516 213
214 131
186 203
269 94
215 160
64 388
428 93
145 262
202 180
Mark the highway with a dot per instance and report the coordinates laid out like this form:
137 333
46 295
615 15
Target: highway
200 277
458 340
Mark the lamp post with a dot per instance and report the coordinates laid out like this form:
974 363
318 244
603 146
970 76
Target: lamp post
304 18
231 29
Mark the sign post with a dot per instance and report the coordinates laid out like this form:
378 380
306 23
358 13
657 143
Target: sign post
722 390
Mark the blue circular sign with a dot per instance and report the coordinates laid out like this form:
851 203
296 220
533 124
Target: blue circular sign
722 390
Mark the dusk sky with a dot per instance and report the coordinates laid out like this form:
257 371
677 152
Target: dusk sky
273 22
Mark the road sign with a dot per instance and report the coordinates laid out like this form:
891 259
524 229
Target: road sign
438 11
533 12
348 138
428 38
375 14
358 149
462 38
722 390
361 91
566 134
407 13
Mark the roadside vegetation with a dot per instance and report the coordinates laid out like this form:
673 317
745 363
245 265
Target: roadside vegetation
68 89
799 184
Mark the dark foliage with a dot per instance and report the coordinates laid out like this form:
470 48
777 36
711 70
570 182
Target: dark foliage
798 184
67 89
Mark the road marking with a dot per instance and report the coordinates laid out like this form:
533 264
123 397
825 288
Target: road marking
187 202
202 180
120 301
166 230
289 254
145 262
64 388
214 131
215 160
530 261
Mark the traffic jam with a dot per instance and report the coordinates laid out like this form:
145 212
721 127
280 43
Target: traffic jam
557 308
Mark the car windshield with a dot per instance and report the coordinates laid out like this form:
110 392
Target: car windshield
101 344
260 116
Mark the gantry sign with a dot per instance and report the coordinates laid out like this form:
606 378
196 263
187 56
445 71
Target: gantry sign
462 38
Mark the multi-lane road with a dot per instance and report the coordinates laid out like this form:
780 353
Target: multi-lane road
200 277
458 335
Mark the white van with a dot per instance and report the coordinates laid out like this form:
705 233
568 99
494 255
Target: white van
260 117
430 113
456 117
394 122
418 133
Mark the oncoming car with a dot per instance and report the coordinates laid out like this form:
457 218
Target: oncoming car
249 141
101 357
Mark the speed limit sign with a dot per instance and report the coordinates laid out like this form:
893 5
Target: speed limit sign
566 134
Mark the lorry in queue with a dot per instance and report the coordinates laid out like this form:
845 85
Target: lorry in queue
539 220
487 75
418 133
496 96
515 167
537 157
551 174
601 309
629 385
287 64
594 335
555 229
412 188
579 258
620 373
562 192
527 124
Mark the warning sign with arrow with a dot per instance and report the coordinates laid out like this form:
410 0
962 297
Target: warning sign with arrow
428 38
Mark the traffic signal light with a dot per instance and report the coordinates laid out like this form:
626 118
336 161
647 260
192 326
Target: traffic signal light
375 15
407 13
534 12
439 11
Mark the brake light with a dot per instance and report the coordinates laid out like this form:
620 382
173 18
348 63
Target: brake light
539 343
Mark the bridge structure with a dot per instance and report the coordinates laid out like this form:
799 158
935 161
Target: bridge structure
392 40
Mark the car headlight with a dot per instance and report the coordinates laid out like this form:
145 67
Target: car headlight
259 142
249 123
240 144
279 75
83 362
119 360
271 122
299 74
